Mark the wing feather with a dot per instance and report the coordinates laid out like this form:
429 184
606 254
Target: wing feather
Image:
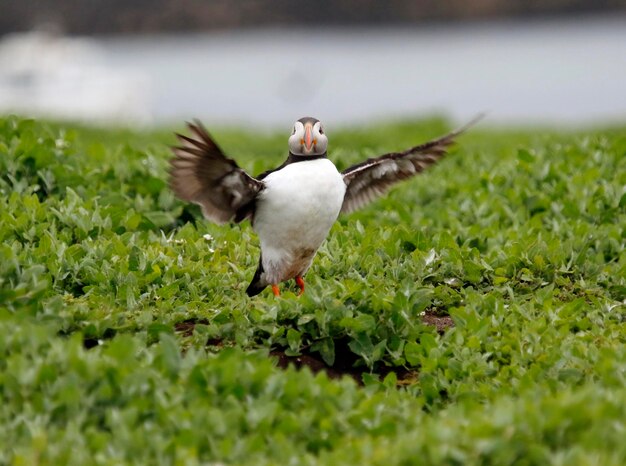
201 173
372 178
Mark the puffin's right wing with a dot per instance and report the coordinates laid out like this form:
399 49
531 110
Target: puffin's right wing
201 173
372 178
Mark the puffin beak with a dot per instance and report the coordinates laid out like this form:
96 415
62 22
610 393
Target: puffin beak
308 137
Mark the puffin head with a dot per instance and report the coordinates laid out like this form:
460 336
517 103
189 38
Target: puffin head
308 138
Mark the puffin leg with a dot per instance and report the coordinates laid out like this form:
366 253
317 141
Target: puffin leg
300 283
275 290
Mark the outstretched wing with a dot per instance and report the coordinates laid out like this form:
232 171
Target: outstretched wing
368 180
201 173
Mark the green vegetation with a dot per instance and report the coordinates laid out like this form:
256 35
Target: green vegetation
517 236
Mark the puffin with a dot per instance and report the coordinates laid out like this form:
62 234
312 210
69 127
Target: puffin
292 207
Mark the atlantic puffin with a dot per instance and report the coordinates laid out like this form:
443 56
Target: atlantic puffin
293 206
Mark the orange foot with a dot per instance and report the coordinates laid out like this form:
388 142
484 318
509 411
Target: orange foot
300 282
275 290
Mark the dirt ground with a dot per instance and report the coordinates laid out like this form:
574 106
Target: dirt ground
344 360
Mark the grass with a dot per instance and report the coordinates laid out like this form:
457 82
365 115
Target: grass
126 336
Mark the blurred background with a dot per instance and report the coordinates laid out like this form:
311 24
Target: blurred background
268 62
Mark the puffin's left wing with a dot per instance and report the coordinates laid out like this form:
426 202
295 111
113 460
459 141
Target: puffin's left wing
201 173
368 180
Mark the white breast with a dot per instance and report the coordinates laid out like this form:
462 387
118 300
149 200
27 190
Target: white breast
294 215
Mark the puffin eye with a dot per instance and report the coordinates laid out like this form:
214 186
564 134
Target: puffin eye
294 130
321 130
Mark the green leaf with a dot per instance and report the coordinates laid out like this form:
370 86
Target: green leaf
326 348
525 156
360 323
294 339
170 353
390 380
412 353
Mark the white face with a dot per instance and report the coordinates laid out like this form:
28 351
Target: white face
308 139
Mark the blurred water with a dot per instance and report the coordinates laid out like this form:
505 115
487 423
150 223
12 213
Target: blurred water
556 71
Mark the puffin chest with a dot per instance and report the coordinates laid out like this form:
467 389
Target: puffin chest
300 203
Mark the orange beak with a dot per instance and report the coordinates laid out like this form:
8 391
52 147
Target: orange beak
308 137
